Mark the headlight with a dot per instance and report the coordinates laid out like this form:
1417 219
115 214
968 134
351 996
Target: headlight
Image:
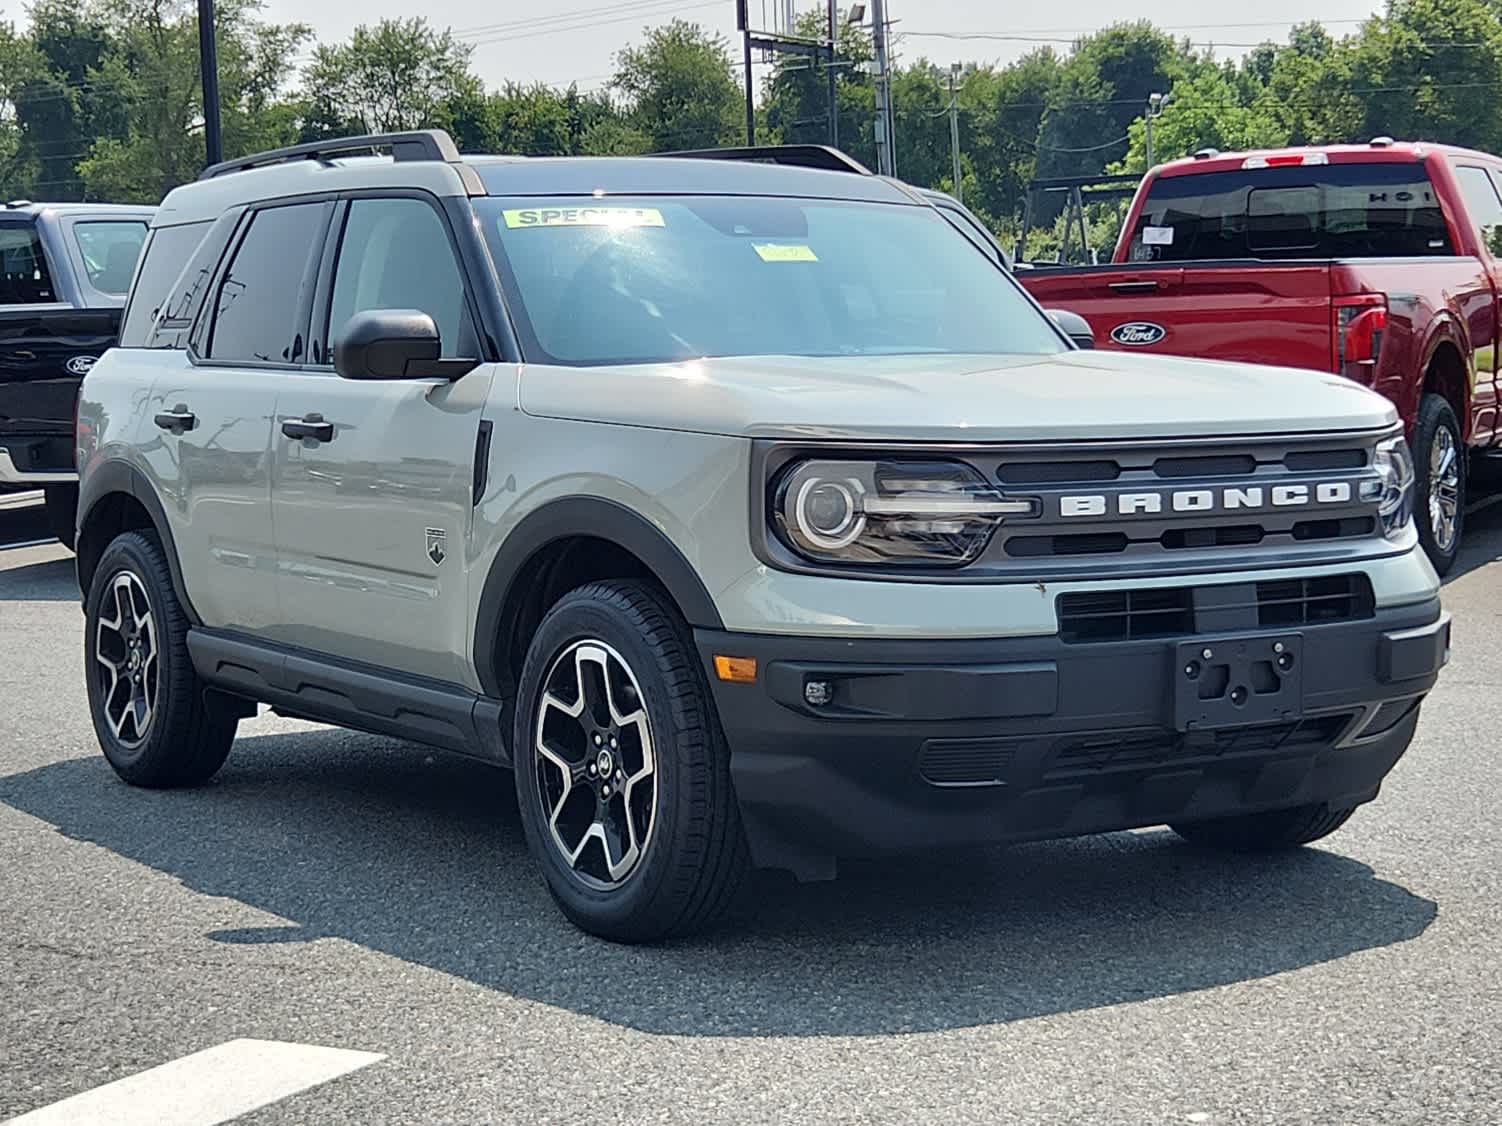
1393 489
870 512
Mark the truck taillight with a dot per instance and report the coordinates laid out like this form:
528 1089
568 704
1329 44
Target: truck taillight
1360 322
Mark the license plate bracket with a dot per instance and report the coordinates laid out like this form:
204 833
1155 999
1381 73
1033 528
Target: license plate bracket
1238 681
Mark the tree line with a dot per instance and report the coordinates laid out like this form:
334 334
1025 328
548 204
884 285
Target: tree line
101 99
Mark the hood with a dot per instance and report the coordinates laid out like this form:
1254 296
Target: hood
1072 395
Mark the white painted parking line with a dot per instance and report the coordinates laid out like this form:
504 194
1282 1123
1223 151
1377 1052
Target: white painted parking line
211 1086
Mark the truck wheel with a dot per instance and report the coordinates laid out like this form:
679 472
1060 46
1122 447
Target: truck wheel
622 773
1266 832
1440 484
146 700
62 512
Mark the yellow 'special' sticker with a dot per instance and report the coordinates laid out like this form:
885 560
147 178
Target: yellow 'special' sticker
782 252
520 217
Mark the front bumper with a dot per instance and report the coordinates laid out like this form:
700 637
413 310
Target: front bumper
946 743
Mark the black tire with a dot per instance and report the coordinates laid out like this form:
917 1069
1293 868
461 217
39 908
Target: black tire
1273 831
693 858
62 512
1435 430
181 742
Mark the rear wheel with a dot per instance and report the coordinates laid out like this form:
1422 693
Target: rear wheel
1440 484
1267 832
149 709
62 512
622 773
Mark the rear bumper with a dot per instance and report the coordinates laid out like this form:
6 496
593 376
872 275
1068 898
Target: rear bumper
952 743
24 466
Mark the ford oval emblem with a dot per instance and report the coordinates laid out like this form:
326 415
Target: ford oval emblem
1138 334
80 365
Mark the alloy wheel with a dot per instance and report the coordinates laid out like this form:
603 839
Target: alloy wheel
126 648
595 763
1444 488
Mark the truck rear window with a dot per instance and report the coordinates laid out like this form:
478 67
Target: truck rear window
1296 211
24 277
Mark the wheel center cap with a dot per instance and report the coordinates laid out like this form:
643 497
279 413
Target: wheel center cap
604 764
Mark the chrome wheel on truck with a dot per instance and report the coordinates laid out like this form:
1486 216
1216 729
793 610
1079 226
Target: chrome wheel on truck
1440 489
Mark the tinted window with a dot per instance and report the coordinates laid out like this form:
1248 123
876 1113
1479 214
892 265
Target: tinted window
672 278
1314 211
1481 202
109 252
395 254
257 301
167 251
24 277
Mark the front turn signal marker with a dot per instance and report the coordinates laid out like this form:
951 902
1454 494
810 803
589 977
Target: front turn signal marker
735 670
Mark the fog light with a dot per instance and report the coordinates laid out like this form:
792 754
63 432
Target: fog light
817 693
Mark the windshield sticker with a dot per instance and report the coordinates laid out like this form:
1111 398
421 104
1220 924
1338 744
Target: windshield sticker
582 217
782 252
1157 236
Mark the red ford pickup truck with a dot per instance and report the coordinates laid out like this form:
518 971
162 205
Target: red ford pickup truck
1378 262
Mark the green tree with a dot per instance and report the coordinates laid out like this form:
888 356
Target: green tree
397 75
795 96
680 88
1205 110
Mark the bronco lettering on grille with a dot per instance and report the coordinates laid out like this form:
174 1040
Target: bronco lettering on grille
1156 501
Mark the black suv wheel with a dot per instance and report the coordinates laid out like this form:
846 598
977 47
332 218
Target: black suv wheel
622 773
147 702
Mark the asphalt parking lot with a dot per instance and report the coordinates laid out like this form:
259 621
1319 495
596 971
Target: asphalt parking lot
350 892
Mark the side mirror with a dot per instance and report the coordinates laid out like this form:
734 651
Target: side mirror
394 344
1073 326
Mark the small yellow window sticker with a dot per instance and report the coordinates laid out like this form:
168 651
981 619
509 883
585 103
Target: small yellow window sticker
517 218
782 252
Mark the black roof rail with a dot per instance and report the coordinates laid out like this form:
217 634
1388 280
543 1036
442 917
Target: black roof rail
419 144
804 156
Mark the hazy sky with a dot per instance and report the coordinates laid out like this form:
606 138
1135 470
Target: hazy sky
561 41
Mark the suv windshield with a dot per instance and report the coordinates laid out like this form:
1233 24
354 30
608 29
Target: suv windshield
1293 211
642 280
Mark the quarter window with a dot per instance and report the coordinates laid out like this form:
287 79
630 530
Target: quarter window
167 251
395 254
256 303
1482 202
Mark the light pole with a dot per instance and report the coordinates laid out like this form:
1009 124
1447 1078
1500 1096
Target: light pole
886 159
208 66
954 129
1155 104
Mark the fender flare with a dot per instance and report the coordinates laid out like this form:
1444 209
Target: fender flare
118 476
1447 330
598 519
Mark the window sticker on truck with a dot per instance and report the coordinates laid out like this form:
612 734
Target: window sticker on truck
1157 236
582 217
782 252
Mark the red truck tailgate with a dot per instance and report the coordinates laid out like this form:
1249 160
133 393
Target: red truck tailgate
1261 312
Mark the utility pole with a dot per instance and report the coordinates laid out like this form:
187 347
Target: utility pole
954 129
208 65
834 92
886 162
743 25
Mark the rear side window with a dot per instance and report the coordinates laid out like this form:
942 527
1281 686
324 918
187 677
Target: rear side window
24 277
1297 211
109 251
1481 202
168 250
257 300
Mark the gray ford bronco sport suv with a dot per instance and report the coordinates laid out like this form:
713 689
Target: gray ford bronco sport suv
748 509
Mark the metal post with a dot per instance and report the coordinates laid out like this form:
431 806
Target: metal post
1148 122
954 130
750 106
834 91
208 64
886 162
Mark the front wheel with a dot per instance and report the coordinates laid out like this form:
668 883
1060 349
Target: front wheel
1273 831
622 773
1440 484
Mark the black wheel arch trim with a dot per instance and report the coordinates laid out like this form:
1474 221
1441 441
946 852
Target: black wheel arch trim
596 518
121 477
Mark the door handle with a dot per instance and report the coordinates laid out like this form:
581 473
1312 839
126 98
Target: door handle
178 419
311 426
1134 286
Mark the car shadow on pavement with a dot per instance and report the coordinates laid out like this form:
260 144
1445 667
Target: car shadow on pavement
421 857
52 580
